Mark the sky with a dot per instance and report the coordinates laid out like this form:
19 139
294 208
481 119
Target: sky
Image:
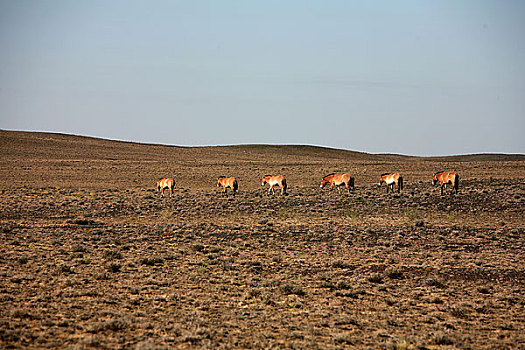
410 77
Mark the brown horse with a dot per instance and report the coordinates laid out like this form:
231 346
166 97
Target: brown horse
275 180
164 183
447 177
227 182
338 180
390 180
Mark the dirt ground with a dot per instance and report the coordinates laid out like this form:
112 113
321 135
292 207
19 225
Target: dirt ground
92 257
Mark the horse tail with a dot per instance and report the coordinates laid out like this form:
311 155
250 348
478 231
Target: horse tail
285 186
400 182
235 185
456 182
351 184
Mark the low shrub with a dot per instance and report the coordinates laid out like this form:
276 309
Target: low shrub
289 288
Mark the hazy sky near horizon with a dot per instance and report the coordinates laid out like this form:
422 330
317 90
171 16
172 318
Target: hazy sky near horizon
411 77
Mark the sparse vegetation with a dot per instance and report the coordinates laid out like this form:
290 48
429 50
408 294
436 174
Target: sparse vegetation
340 264
315 269
394 272
234 215
400 344
443 339
459 311
152 261
412 214
114 267
112 254
290 288
112 325
375 278
353 214
484 290
436 300
287 214
79 248
436 282
198 247
343 284
166 214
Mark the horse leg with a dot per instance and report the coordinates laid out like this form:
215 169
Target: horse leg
442 187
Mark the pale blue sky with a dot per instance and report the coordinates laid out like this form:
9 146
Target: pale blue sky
410 77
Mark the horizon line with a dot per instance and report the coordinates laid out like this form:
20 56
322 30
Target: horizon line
261 144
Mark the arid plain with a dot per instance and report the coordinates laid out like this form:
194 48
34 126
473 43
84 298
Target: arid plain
92 257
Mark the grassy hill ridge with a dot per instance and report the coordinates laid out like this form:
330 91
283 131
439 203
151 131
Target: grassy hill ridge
22 144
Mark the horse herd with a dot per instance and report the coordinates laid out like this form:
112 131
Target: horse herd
335 180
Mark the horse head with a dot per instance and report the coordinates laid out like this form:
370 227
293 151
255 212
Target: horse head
265 179
435 179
